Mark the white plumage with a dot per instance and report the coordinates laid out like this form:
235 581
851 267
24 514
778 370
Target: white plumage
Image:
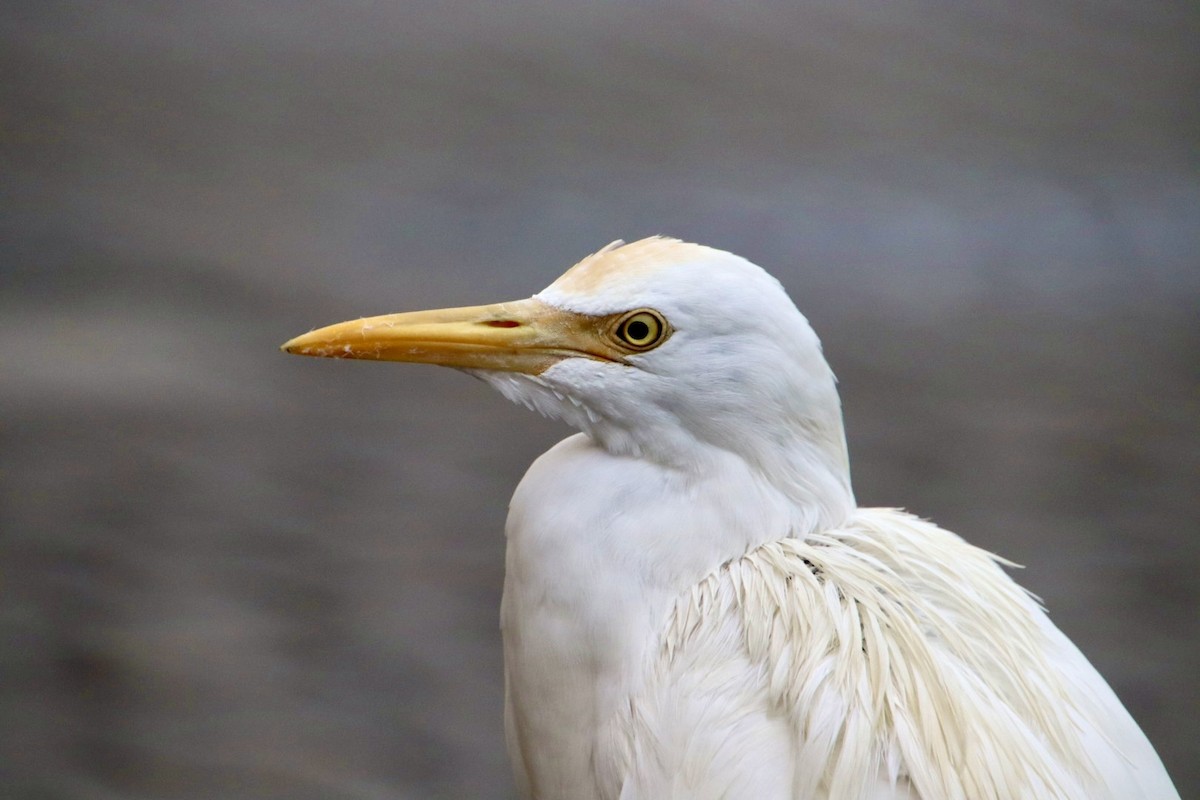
694 606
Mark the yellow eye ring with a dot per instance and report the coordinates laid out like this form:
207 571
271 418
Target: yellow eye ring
642 330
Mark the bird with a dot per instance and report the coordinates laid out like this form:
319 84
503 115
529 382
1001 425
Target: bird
694 604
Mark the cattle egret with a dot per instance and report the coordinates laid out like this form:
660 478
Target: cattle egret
695 607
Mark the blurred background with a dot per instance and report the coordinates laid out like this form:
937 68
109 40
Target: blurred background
229 573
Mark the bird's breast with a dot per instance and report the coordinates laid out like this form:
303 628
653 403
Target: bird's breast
599 549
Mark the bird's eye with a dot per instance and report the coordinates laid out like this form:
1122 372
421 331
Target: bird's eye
642 330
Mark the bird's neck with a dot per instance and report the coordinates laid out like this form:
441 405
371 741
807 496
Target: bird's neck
795 445
805 461
813 472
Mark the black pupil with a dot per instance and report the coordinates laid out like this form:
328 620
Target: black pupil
637 330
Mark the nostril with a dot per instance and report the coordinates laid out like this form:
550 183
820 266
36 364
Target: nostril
502 323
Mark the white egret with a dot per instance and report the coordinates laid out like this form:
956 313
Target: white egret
695 607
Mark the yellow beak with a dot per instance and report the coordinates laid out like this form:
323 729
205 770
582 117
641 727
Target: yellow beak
522 336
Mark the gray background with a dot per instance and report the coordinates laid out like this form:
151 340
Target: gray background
229 573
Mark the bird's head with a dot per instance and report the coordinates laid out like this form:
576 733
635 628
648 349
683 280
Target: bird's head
657 349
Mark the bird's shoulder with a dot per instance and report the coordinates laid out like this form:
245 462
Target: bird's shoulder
894 647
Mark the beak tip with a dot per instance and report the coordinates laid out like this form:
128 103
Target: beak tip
310 345
297 346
